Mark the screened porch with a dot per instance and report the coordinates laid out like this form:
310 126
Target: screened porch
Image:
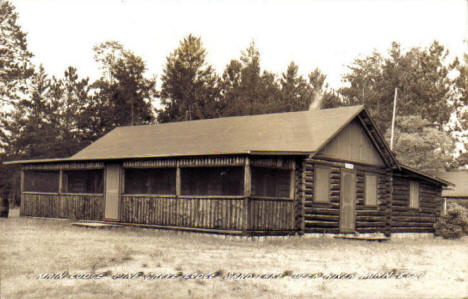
242 194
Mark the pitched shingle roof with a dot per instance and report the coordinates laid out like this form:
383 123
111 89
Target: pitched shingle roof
293 132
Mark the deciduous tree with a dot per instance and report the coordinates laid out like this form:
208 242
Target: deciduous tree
421 76
420 144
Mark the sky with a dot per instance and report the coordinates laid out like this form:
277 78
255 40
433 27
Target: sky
324 34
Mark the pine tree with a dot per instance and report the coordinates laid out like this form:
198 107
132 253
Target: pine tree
327 96
28 130
72 117
124 95
189 85
245 90
296 93
15 59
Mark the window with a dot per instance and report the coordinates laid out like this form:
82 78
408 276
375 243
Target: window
322 185
414 195
371 190
271 182
41 181
150 181
212 181
83 181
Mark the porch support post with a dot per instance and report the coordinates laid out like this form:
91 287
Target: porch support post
292 183
247 193
178 180
60 189
22 204
389 206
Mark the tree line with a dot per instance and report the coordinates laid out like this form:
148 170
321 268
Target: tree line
46 116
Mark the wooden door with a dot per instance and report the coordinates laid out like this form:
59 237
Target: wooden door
348 201
111 211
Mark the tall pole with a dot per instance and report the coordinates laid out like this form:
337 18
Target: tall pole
466 28
393 118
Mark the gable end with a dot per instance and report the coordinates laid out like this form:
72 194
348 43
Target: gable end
354 145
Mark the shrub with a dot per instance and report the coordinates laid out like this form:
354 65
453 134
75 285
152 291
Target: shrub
454 224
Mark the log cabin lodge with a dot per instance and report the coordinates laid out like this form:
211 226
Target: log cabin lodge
324 171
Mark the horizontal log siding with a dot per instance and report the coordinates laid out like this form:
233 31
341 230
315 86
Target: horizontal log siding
371 219
321 217
325 217
214 213
299 197
271 215
389 205
422 219
72 206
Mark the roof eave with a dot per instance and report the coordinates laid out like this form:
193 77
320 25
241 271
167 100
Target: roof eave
427 176
249 152
380 136
36 161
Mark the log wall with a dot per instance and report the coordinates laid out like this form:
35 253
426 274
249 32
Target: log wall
299 192
422 219
324 217
372 219
318 217
321 217
72 206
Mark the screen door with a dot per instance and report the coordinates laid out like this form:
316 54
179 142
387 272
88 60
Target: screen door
112 192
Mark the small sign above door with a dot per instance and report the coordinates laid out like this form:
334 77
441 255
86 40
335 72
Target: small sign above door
349 166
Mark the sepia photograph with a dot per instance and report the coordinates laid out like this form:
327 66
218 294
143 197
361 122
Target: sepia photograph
233 149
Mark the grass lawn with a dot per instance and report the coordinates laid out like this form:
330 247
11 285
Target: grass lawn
30 247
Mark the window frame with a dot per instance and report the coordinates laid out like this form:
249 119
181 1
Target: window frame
414 195
291 182
367 202
316 185
125 182
193 195
25 176
63 173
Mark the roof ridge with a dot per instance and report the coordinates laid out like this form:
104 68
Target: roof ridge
241 116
